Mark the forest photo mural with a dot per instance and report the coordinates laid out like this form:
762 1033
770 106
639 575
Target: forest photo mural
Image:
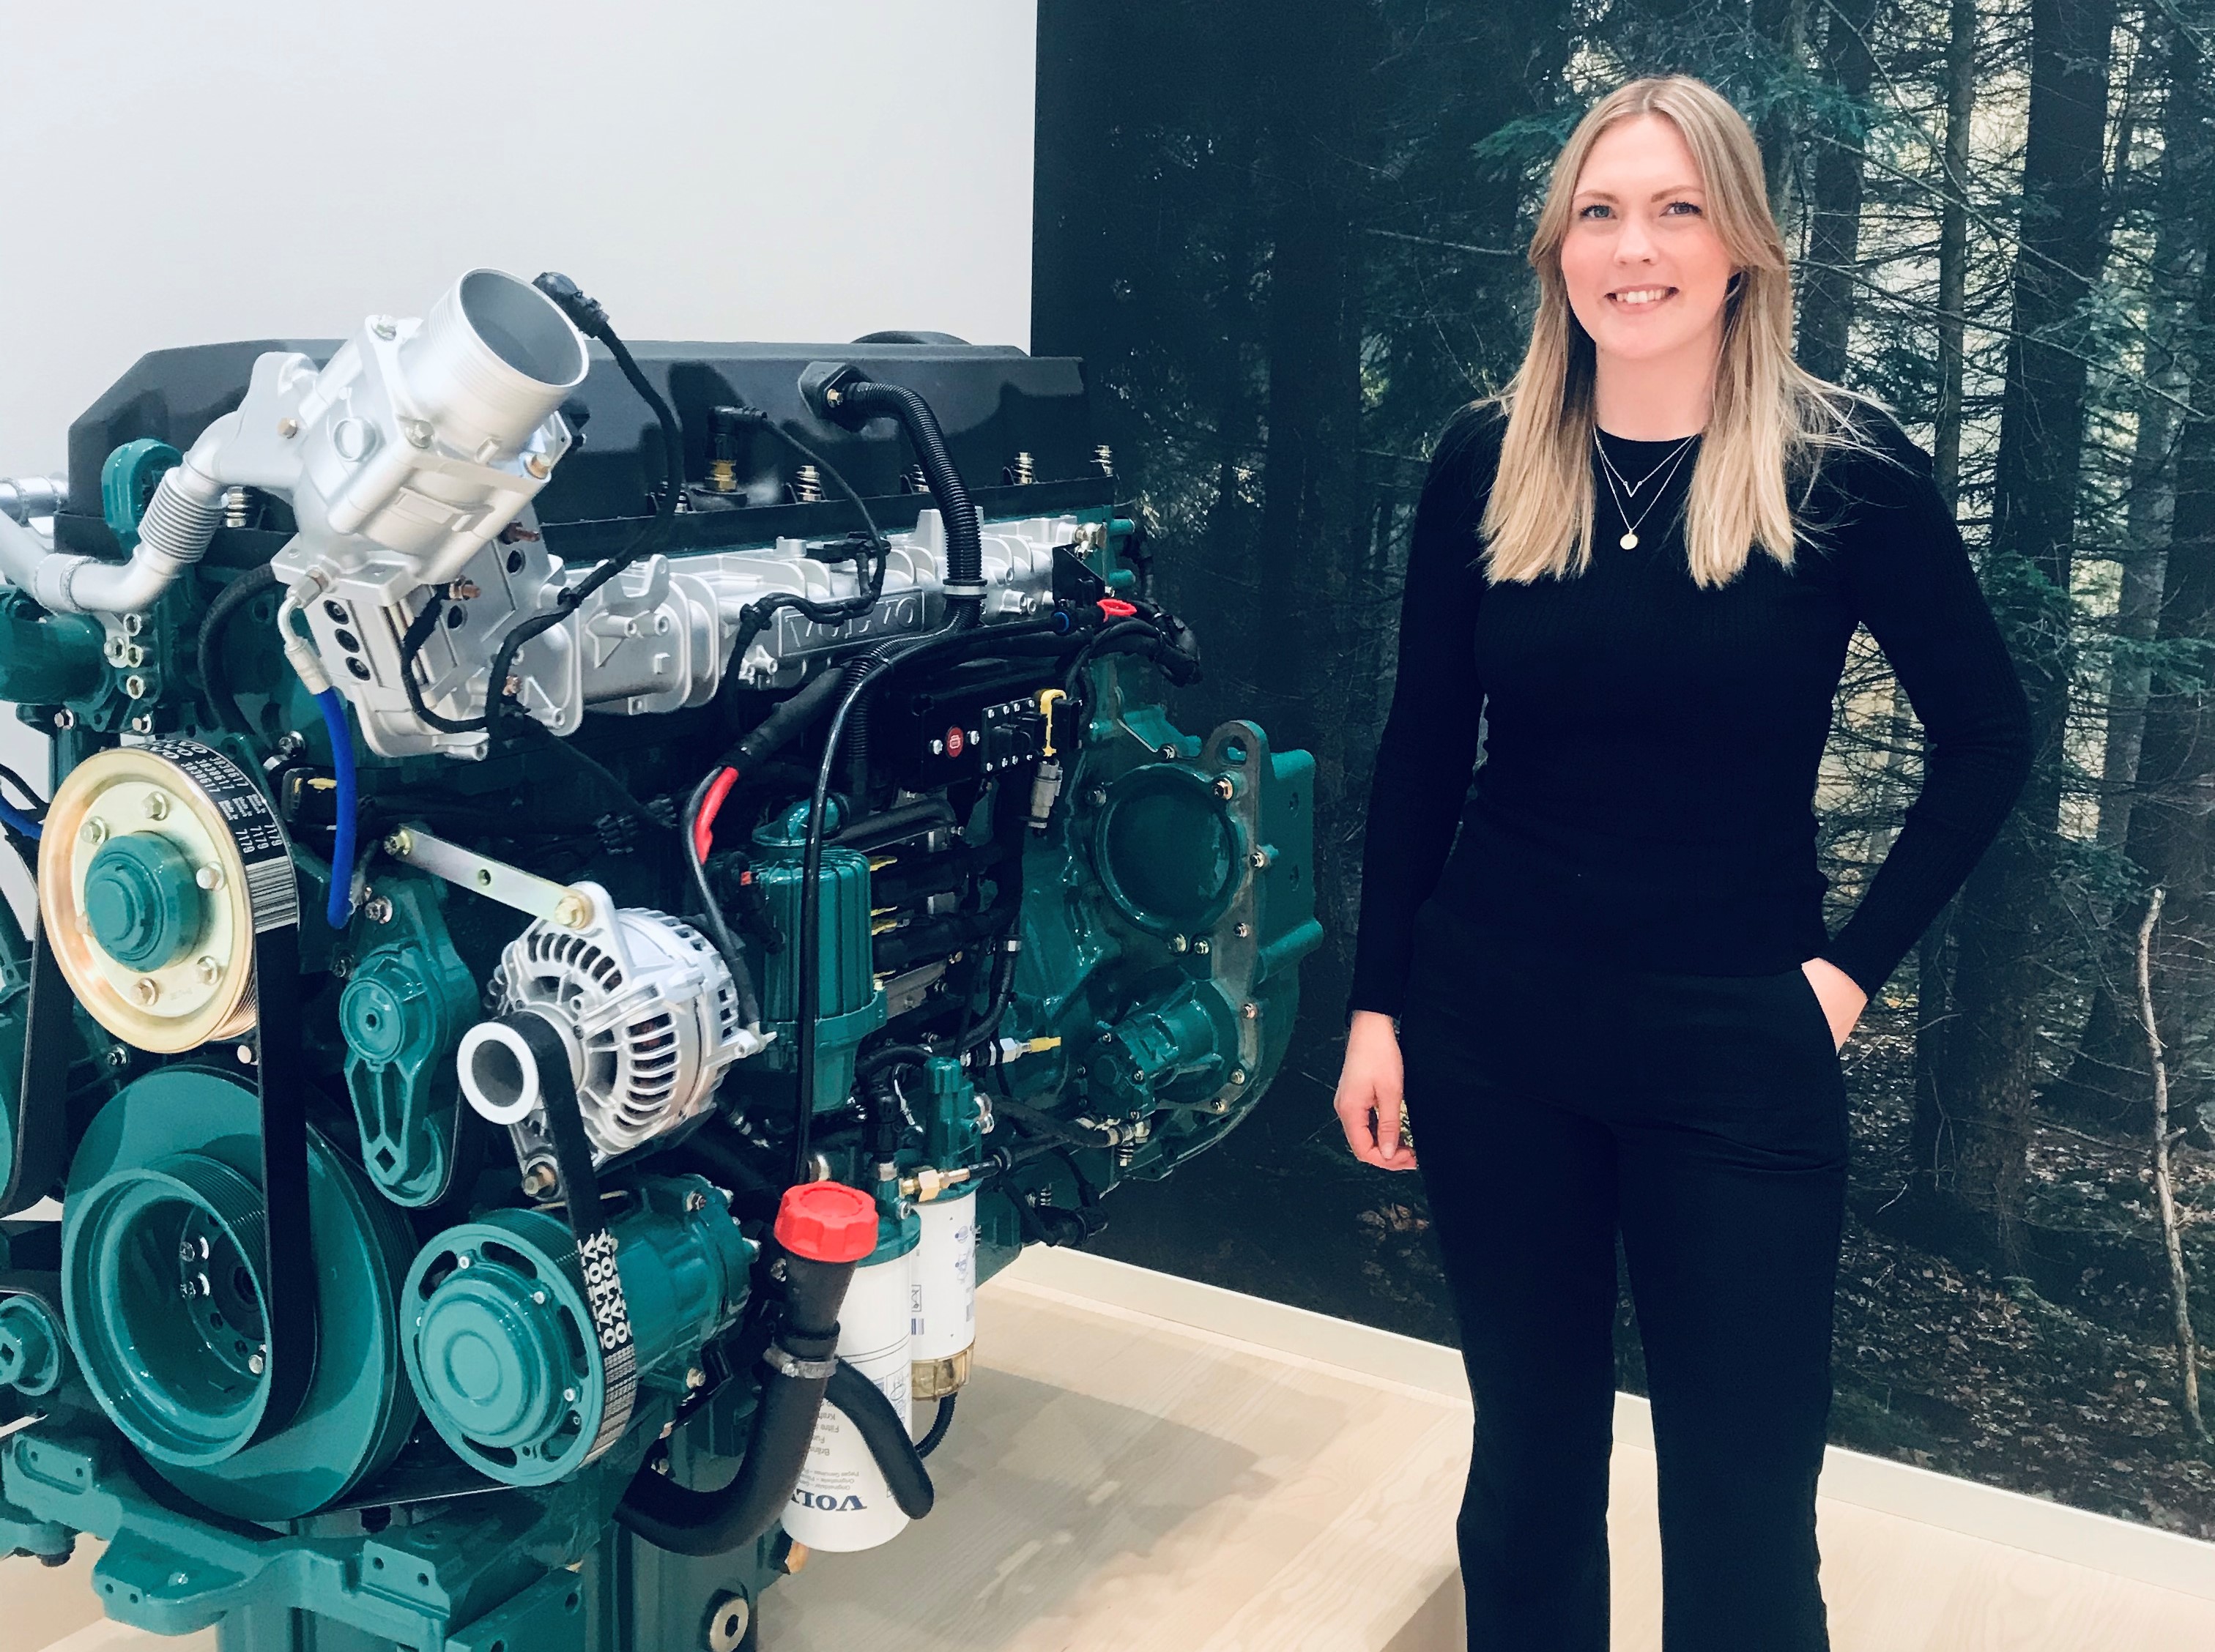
1289 240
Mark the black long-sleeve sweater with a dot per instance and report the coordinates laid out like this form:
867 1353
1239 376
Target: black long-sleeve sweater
1651 748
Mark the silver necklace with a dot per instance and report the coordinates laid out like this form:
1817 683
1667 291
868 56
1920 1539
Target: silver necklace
1629 540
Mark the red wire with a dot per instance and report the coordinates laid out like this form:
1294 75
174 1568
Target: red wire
704 829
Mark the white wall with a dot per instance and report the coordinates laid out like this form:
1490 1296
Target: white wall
736 170
713 169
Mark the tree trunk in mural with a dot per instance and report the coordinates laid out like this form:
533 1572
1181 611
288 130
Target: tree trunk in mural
2160 744
1826 282
1311 513
1933 957
2005 921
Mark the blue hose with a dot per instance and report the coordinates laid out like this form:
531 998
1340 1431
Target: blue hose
16 818
341 906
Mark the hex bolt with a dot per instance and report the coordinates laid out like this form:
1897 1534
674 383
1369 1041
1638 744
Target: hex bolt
1250 1012
538 1297
1218 1106
287 428
400 845
696 1378
1237 1076
94 832
696 1202
1225 787
65 718
417 431
726 1623
135 685
1179 943
147 991
540 1179
142 723
209 878
1258 859
538 465
207 970
246 1055
117 1056
377 909
384 328
257 1363
571 911
1242 929
156 805
1201 947
133 624
189 1251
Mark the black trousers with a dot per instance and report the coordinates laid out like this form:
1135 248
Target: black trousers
1555 1105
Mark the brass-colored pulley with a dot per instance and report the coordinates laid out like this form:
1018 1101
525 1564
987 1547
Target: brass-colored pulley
158 865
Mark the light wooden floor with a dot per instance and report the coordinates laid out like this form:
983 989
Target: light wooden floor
1226 1474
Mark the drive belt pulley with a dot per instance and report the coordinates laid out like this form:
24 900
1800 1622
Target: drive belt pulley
169 905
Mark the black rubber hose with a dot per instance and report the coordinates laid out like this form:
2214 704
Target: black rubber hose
228 601
884 1430
939 1425
964 546
705 1523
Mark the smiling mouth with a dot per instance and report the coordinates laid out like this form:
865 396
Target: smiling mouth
1617 298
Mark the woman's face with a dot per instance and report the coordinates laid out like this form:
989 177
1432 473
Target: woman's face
1645 269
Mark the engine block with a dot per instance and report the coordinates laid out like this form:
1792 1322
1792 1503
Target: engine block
588 895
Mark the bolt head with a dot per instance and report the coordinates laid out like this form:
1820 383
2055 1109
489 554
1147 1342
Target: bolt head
147 991
287 429
64 718
1249 1011
246 1055
1242 929
142 723
1201 947
538 465
383 326
256 1363
399 844
377 909
94 832
135 685
1258 858
209 878
1225 787
417 431
156 806
696 1378
1237 1076
208 971
573 912
1179 943
117 1056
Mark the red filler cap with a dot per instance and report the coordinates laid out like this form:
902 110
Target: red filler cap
1116 608
827 1222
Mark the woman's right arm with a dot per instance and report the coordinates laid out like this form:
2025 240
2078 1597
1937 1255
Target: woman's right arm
1424 757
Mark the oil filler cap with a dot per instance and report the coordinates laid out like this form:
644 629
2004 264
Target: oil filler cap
827 1222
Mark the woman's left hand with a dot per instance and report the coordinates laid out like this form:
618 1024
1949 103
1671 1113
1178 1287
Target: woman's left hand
1841 997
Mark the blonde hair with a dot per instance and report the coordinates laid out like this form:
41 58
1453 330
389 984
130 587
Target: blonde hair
1770 419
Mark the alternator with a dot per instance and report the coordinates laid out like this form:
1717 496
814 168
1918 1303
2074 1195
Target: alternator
645 1005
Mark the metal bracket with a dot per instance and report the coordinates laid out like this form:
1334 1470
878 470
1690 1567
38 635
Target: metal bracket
512 886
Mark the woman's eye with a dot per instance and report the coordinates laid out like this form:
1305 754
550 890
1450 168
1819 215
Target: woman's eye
1686 204
1593 206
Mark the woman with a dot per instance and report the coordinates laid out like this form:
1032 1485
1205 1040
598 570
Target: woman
1618 1009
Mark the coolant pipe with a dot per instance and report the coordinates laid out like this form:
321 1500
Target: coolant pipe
173 535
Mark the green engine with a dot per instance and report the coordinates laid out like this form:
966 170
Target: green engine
587 896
